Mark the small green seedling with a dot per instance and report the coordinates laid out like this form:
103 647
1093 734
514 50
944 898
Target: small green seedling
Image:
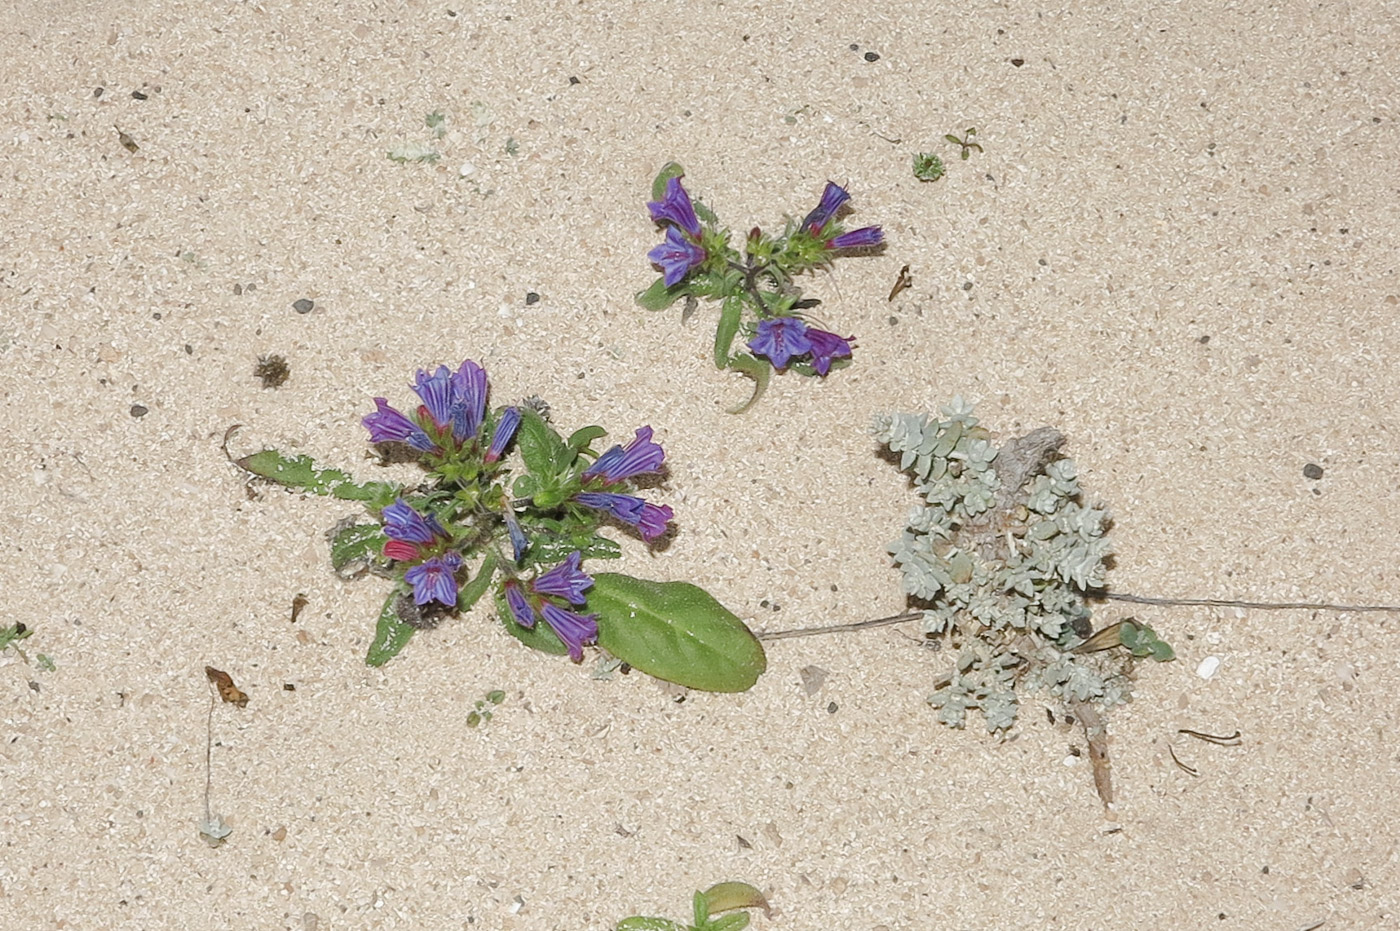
722 897
928 167
966 142
482 714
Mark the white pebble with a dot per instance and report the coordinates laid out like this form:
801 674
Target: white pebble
467 170
1208 667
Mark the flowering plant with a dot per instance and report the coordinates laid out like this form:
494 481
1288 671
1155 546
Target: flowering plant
757 290
528 534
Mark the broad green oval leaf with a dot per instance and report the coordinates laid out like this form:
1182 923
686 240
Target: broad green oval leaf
583 436
675 631
668 171
540 446
391 635
723 897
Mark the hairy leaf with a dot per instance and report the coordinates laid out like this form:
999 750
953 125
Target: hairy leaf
301 472
391 635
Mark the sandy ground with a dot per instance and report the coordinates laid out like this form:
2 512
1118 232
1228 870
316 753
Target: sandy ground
1179 247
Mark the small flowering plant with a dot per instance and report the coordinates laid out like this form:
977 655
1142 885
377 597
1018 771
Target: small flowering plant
760 301
481 523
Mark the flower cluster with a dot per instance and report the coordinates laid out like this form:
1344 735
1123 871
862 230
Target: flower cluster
760 299
553 510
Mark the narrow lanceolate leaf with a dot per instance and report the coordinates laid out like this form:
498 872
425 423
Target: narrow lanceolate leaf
675 631
301 472
358 543
731 312
471 593
759 370
659 297
391 635
640 923
544 452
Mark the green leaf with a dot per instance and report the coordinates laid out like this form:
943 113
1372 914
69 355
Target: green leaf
540 637
471 593
668 171
301 472
760 370
659 297
392 634
357 543
1143 641
584 436
675 631
723 897
730 315
546 456
638 923
736 922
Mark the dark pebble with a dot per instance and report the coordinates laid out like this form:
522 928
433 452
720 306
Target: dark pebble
1312 470
97 92
531 298
1204 339
139 410
137 95
831 708
573 80
872 56
967 286
303 306
1017 62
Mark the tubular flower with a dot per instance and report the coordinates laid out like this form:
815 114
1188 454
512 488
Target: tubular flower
504 433
676 256
862 238
387 425
675 208
833 197
572 628
565 580
520 605
781 339
410 534
649 519
639 458
453 403
435 579
826 347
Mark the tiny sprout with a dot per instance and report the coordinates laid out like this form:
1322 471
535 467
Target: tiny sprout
966 142
928 167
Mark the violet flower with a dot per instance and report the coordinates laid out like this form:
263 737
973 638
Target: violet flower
826 347
639 458
675 208
649 519
455 400
435 579
565 580
572 628
676 256
862 238
833 197
781 339
504 432
519 605
410 533
387 425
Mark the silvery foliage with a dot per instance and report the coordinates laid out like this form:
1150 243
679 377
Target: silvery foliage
1001 570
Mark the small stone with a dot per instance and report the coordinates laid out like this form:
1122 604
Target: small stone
139 410
1017 62
137 95
1208 667
303 306
831 708
98 92
573 80
531 298
872 56
1313 471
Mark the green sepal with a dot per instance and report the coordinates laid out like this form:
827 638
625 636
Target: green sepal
639 923
391 635
659 297
583 437
357 543
730 316
301 472
1143 641
668 171
540 637
675 631
760 370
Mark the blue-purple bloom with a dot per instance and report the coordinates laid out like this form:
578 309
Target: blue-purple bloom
832 198
519 605
572 628
675 208
650 519
640 457
862 238
387 425
519 543
781 339
435 579
676 256
409 532
504 432
826 347
566 580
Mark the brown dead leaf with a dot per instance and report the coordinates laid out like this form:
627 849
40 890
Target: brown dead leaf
227 690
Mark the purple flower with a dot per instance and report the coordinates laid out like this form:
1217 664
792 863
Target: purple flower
781 339
435 579
574 629
640 457
565 580
387 425
826 347
676 256
505 430
519 605
468 400
857 239
676 208
832 199
409 532
650 519
519 543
